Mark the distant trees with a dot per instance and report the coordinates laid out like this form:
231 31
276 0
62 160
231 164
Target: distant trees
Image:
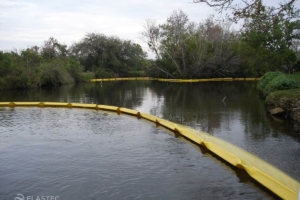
48 65
185 49
242 9
270 34
108 55
54 64
268 40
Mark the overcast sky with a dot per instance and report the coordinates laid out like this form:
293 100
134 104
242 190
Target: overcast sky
24 23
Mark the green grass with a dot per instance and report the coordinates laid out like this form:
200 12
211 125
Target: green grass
284 98
281 89
295 76
274 81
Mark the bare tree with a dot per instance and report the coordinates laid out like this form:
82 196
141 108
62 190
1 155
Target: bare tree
243 8
151 36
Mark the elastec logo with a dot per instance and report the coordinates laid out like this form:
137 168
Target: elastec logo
22 197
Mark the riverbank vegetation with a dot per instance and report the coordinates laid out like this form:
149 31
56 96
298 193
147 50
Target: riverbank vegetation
54 64
282 91
49 65
267 40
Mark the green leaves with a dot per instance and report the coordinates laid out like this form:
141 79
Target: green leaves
100 53
273 81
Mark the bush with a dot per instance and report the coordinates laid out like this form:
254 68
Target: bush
281 82
266 79
136 73
87 76
54 75
74 69
102 73
284 98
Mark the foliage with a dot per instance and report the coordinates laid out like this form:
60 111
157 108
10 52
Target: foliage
185 49
284 98
281 82
266 79
242 9
54 73
104 73
100 53
276 97
87 76
271 36
295 76
53 64
49 65
136 73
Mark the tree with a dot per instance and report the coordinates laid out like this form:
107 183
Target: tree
98 52
242 9
52 48
275 34
185 49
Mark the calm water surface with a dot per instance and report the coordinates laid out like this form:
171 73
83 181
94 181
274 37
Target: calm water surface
84 154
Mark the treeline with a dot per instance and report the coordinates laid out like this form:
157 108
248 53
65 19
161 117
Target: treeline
48 65
110 56
186 49
53 64
268 40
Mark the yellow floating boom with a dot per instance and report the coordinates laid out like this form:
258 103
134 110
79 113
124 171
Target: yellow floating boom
174 80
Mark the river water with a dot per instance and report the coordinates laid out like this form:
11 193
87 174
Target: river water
87 154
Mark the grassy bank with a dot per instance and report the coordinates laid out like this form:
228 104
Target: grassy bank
286 98
282 90
295 76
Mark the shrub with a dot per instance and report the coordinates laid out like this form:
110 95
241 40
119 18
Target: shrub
102 73
266 79
54 75
136 73
74 69
87 76
284 98
281 82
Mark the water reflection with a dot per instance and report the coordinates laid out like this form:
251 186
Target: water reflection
243 121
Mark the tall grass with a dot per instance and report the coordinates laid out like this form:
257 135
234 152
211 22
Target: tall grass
295 76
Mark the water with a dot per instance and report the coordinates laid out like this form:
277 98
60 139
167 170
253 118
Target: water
86 154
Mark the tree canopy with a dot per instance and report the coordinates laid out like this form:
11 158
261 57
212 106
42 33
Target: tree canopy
99 52
268 40
242 9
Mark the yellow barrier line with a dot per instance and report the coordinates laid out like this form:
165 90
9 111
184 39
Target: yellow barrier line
175 80
270 182
232 159
287 189
128 111
109 108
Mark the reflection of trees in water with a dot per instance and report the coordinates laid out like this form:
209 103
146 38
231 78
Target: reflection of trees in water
199 105
118 93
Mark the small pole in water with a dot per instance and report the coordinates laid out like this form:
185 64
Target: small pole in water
224 101
224 98
101 83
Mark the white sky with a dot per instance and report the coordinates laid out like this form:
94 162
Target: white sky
24 23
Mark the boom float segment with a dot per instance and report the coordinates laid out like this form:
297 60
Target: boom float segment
272 178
